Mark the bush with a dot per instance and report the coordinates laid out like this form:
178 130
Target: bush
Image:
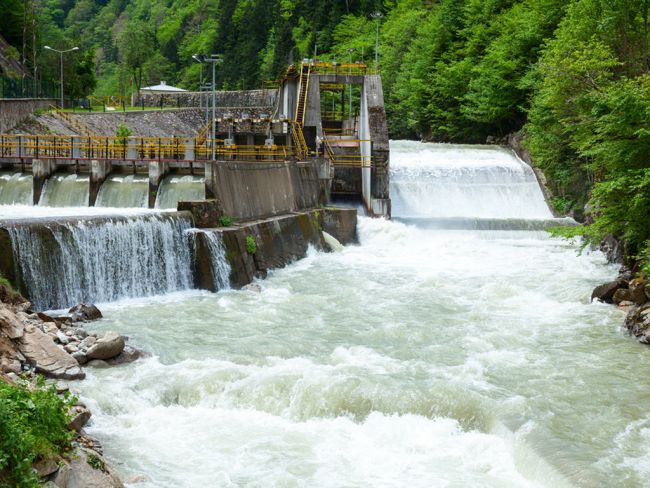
225 221
33 425
251 244
123 132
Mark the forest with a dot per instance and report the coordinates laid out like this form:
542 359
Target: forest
572 76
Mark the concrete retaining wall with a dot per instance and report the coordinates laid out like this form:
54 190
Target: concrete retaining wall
14 111
249 191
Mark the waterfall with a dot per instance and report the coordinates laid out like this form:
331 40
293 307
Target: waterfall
479 182
102 259
126 191
174 189
66 190
15 189
220 264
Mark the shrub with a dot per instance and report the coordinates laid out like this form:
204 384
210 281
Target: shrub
33 425
251 244
225 221
123 132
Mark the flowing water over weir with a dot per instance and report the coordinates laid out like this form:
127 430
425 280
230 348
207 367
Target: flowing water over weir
15 189
176 188
423 357
127 191
102 259
65 190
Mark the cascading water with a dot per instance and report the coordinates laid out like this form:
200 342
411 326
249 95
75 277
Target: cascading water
102 260
421 358
174 189
460 186
124 191
220 264
66 190
15 189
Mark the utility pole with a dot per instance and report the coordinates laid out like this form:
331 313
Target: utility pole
350 51
377 16
61 55
214 59
196 58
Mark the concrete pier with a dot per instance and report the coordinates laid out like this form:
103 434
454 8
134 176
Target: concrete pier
42 169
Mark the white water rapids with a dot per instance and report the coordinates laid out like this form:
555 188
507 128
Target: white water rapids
419 358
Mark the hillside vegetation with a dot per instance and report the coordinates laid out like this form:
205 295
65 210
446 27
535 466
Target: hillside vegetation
572 74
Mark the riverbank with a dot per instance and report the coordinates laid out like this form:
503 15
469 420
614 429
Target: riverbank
35 344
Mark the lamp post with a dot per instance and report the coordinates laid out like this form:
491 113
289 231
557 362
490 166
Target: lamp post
214 59
377 16
61 55
196 58
350 51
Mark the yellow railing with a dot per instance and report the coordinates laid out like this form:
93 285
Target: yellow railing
135 148
332 68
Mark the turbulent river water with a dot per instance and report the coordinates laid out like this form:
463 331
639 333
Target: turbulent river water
431 354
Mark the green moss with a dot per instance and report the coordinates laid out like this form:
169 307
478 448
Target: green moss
225 221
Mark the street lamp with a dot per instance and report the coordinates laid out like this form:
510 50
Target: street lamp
377 16
196 58
61 55
350 51
214 59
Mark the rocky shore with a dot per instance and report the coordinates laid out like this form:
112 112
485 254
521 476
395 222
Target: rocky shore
632 295
58 348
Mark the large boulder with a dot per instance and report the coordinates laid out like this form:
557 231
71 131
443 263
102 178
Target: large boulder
637 323
605 292
10 324
47 358
88 469
84 312
106 347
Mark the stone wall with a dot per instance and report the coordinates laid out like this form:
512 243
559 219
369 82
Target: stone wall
14 111
256 100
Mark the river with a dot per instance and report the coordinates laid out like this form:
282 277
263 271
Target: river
432 354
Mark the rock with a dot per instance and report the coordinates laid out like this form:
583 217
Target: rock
80 357
88 469
612 248
638 291
9 365
63 339
637 323
254 287
10 324
81 417
62 475
84 312
622 295
45 467
97 363
605 292
128 355
108 346
137 478
47 358
71 348
87 342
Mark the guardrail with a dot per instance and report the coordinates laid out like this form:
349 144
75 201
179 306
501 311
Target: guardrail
135 149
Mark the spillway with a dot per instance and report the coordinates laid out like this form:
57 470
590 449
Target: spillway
66 190
175 188
15 188
124 191
66 261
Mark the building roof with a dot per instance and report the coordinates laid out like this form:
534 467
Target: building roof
163 87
